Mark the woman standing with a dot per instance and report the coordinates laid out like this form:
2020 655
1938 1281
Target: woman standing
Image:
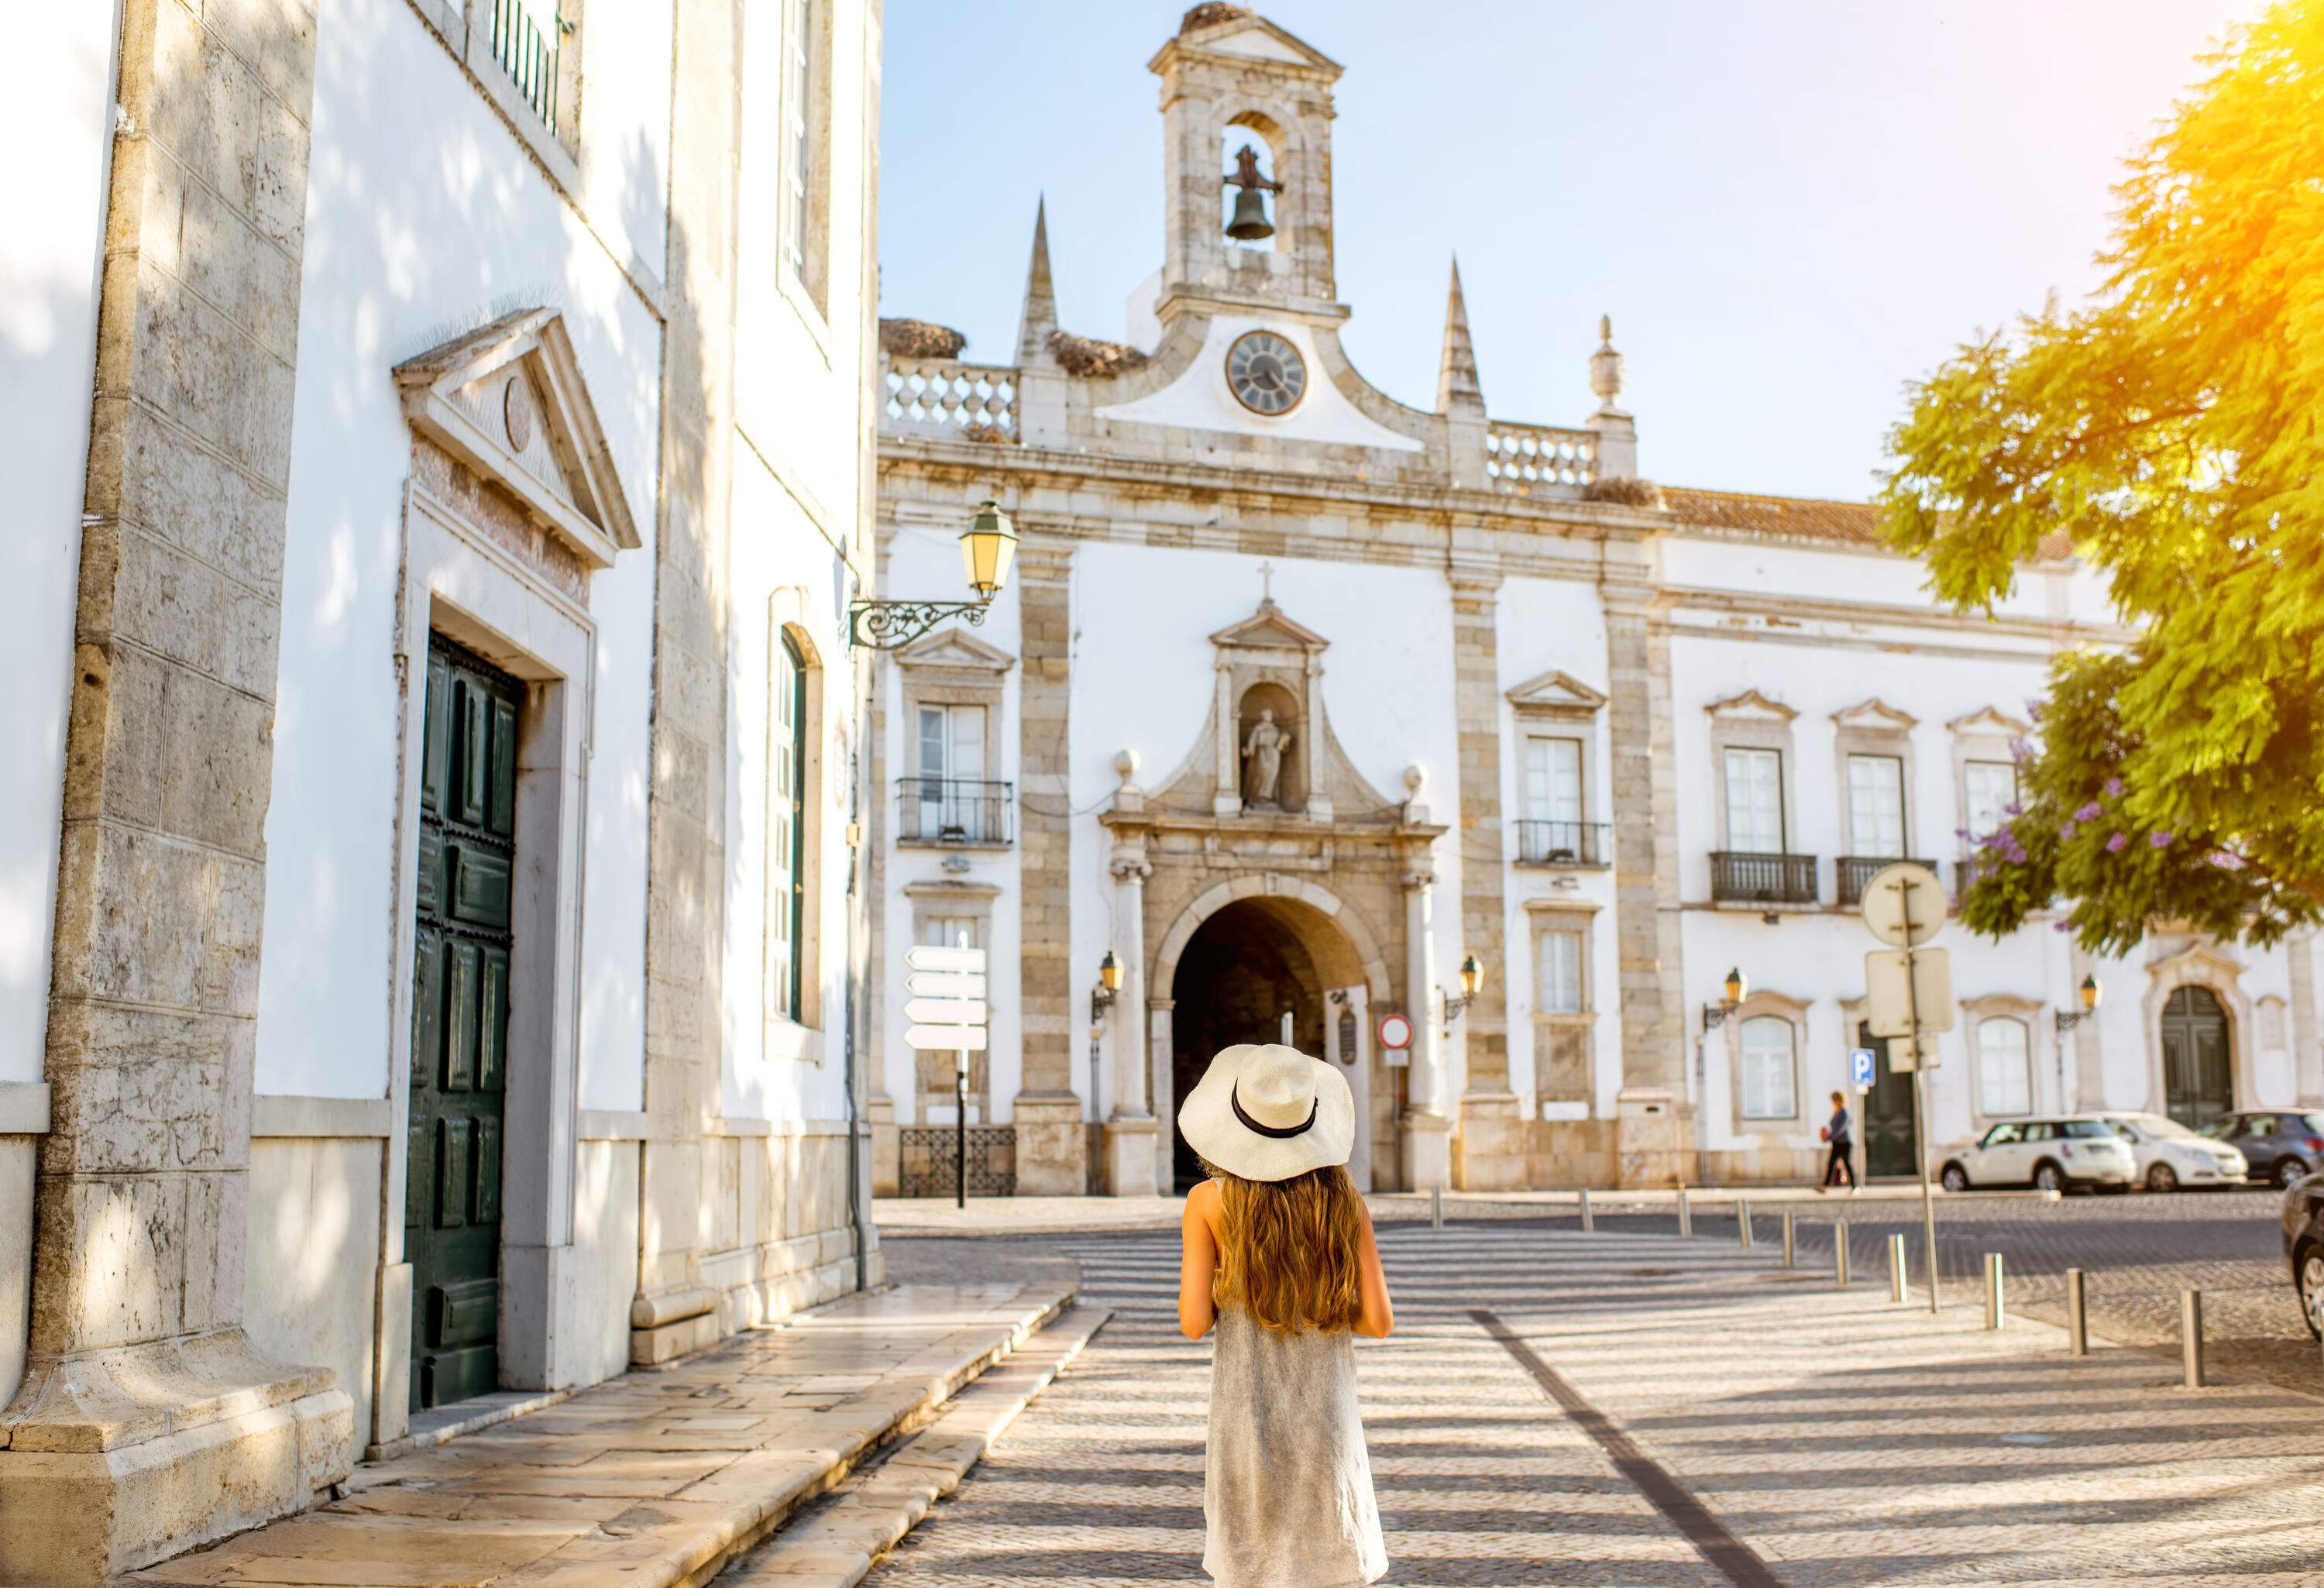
1279 1254
1840 1168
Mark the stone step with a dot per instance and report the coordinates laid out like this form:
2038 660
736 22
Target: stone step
835 1542
653 1478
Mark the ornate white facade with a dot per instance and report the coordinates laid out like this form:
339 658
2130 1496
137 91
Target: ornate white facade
1608 737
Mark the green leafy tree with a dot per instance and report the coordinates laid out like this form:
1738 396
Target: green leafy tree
2169 429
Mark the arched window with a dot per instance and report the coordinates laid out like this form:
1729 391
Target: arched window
1769 1046
787 719
2005 1073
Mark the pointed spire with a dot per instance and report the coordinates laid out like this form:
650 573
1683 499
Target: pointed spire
1456 374
1039 317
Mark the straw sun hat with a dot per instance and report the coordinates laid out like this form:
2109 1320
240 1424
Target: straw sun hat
1269 1113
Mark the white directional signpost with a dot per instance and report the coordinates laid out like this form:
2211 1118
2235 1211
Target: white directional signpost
947 1011
1909 989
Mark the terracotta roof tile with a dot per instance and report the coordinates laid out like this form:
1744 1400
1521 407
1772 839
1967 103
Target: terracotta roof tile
1806 518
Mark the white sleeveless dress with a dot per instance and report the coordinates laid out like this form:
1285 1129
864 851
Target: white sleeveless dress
1287 1490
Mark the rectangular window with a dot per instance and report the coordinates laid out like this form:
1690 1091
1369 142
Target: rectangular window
1876 806
1988 788
799 75
786 823
1552 779
1557 972
527 40
952 931
955 802
2004 1074
1755 801
1768 1045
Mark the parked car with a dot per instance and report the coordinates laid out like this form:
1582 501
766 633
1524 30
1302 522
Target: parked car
2282 1143
2303 1247
2057 1154
2169 1155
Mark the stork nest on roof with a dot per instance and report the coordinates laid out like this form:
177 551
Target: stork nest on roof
1626 490
1090 358
1209 12
920 338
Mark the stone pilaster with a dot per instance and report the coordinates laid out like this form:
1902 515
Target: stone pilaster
1427 1159
2090 1051
1130 1127
1492 1146
686 853
1643 745
145 1425
2307 1055
1052 1146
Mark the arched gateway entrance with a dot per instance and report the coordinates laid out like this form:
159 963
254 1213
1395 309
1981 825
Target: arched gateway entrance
1247 964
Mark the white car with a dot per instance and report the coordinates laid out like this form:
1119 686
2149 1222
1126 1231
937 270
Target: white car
2169 1155
2057 1154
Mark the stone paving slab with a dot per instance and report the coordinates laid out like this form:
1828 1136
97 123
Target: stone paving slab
654 1477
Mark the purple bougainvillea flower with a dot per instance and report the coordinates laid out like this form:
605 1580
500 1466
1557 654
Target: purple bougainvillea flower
2116 845
2062 926
2088 813
2114 787
2068 831
2013 808
2161 840
2227 860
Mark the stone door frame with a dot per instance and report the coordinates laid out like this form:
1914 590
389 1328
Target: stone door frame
459 581
2199 964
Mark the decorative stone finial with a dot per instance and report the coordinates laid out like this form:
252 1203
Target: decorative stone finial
1125 761
1037 322
1416 778
1606 367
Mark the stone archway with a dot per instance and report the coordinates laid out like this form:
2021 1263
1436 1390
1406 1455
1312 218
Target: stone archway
1237 959
2213 1030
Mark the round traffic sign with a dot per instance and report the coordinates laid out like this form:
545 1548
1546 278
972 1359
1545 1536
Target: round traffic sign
1395 1031
1899 893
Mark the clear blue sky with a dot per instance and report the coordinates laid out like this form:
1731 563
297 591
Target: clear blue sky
1789 207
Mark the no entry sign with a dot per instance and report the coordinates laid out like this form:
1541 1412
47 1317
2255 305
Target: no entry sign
1394 1032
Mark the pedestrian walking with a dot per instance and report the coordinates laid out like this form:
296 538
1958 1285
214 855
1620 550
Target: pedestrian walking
1279 1255
1840 1168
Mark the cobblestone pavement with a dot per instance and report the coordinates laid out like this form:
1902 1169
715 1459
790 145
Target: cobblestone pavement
1844 1440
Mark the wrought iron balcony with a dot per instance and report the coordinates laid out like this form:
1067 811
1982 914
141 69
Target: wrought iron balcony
1740 878
1855 872
1579 844
954 810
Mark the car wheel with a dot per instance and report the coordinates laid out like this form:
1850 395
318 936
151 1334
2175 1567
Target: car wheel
1954 1178
2160 1179
2048 1177
2287 1172
2311 1289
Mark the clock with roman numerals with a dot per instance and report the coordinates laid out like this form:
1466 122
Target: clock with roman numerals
1266 372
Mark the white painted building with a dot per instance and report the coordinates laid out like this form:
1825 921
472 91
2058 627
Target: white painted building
440 436
1611 739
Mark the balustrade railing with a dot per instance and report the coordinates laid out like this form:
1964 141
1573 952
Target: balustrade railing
945 397
1854 872
1564 842
1519 457
953 810
527 51
1740 878
928 1164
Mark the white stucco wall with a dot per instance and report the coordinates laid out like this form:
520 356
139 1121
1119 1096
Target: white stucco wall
59 103
426 216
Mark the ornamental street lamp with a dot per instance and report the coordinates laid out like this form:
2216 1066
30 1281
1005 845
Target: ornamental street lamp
987 547
1714 1015
2091 993
1472 977
1109 982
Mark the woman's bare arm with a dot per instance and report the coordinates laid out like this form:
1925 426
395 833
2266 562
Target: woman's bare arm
1199 1261
1377 1315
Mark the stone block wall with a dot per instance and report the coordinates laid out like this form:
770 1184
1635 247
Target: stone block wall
1052 1148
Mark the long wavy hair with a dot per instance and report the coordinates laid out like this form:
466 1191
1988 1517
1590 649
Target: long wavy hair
1288 1249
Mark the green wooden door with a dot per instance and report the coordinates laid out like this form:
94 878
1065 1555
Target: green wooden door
2198 1077
459 1024
1889 1146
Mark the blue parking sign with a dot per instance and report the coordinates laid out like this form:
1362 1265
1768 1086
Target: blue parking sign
1859 1069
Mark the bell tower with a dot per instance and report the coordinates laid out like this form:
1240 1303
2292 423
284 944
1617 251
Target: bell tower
1232 80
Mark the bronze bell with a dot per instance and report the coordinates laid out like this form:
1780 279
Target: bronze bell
1249 223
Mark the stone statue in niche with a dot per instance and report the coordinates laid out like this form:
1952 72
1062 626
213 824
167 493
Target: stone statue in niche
1263 753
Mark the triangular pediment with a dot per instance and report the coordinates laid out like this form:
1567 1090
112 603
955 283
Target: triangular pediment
1269 630
1991 723
955 649
508 400
1751 706
1556 693
2199 961
1875 717
1254 38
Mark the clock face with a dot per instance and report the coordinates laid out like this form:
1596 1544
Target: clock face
1266 372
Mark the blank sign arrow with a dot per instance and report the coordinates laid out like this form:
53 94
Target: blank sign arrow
945 1011
924 958
946 1038
938 984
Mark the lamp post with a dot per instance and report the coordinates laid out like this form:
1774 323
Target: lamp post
1472 977
2091 994
1109 982
1714 1015
987 547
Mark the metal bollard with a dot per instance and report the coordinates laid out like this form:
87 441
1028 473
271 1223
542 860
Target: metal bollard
1896 1268
1839 1252
2078 1312
1437 1207
1589 1223
1686 1216
1996 1315
1791 1237
1743 1221
2191 1337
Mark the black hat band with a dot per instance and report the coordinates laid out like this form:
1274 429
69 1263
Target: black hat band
1278 1133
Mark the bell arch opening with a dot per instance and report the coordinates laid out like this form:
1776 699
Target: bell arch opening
1241 205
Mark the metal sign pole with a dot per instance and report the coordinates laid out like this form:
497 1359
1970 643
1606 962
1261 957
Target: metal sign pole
960 1131
1920 1136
